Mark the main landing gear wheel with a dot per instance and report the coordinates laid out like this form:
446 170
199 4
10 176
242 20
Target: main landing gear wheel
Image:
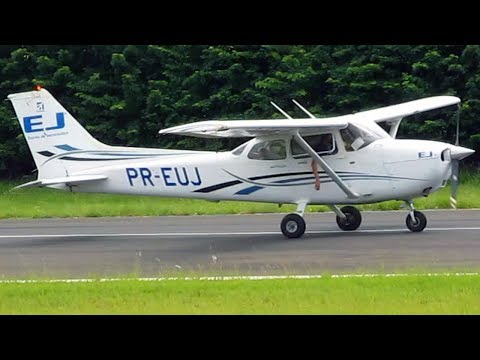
293 226
352 221
419 223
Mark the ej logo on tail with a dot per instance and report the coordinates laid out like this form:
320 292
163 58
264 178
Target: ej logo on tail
33 123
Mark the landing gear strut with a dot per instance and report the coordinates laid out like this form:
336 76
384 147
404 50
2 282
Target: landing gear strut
416 220
293 225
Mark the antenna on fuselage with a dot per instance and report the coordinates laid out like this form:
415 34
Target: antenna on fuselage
280 109
303 109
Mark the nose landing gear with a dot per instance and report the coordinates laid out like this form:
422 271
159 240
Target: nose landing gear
416 220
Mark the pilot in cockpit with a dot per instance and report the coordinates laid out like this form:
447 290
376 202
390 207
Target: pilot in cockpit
325 143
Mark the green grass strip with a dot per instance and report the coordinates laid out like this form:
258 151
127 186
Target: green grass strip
420 294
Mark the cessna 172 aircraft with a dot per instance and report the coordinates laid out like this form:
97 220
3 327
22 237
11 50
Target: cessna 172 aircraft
360 162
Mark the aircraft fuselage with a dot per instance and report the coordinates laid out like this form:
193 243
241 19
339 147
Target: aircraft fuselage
386 169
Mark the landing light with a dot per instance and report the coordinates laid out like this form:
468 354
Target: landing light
38 87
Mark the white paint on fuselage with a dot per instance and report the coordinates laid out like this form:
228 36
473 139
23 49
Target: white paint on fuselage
385 169
418 159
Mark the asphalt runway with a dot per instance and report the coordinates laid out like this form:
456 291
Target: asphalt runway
235 244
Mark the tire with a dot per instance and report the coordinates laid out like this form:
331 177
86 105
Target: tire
353 220
293 226
420 221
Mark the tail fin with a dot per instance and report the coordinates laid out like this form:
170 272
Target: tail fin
49 130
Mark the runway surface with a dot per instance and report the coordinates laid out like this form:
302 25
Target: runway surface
235 244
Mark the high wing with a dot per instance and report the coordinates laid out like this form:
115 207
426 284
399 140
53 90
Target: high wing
394 114
399 111
253 128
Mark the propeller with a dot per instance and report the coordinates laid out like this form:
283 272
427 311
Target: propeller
454 180
454 183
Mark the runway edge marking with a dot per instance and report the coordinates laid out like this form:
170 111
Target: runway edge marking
230 278
23 236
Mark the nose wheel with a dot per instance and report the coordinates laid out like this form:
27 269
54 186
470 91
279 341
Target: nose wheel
418 223
416 220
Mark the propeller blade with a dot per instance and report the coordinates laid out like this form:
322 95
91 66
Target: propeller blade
458 154
454 183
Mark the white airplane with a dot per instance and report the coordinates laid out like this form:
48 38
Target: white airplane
360 162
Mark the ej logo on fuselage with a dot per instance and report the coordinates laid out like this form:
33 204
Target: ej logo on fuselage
425 155
34 123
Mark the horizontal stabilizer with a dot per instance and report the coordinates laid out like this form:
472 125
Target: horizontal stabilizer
68 180
29 184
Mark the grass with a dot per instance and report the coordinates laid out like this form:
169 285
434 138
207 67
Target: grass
378 295
328 295
43 203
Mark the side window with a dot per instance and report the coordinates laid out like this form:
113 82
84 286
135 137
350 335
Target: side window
268 150
323 144
348 138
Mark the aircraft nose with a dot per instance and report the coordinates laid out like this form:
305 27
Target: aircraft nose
459 152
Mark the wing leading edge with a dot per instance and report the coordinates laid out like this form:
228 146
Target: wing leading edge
394 114
254 128
399 111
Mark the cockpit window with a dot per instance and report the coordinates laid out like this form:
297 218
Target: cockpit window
322 144
268 150
356 137
238 151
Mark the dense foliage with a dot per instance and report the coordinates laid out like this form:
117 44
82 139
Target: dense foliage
124 94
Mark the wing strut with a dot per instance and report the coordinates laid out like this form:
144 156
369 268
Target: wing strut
280 109
326 168
395 124
303 109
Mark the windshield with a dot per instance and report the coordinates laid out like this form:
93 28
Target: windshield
357 137
238 151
